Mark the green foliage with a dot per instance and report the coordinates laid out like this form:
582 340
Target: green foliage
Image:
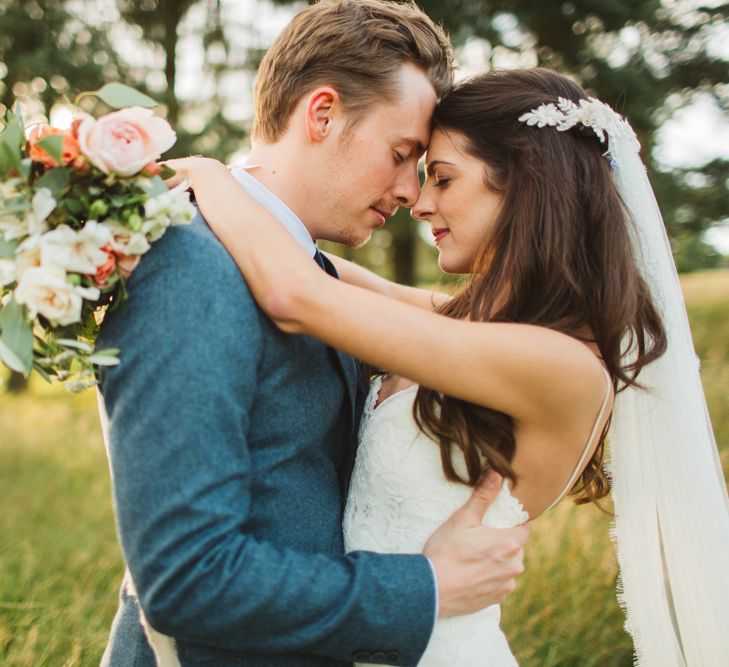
53 145
16 338
8 248
117 96
57 180
12 139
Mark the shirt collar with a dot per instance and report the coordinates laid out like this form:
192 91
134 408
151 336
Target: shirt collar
277 207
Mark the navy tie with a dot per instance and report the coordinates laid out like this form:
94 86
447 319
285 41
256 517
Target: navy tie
319 259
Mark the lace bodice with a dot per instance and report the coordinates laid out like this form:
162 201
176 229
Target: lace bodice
397 498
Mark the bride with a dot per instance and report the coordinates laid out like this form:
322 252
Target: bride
537 192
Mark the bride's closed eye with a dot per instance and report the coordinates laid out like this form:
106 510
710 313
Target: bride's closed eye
440 181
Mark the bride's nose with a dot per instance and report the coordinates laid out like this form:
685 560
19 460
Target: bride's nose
423 207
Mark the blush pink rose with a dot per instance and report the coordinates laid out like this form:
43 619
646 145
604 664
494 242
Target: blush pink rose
127 264
125 141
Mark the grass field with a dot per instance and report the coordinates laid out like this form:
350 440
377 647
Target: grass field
60 564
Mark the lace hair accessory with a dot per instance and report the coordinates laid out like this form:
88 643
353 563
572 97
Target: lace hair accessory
671 506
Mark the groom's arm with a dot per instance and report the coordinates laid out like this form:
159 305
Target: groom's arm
179 407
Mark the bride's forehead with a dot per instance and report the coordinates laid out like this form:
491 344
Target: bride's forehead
444 144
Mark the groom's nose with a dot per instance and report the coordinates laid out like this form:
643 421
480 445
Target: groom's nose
407 188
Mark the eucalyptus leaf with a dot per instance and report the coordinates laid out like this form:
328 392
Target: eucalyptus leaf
53 145
10 157
102 360
117 95
42 372
10 359
56 180
16 334
109 352
154 186
13 133
19 117
26 165
8 248
75 344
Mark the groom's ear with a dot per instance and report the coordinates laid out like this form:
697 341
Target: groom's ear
321 108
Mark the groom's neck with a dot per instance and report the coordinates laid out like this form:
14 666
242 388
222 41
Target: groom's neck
274 166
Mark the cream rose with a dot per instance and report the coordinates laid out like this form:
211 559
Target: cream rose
125 141
42 206
46 292
124 241
76 252
33 221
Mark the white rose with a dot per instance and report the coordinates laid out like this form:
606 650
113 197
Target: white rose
124 241
46 292
8 272
42 206
28 255
75 251
12 227
125 141
168 209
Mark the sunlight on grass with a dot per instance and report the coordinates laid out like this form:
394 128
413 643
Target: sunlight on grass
60 565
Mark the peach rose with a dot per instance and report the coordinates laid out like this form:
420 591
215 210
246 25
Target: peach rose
69 152
103 271
125 141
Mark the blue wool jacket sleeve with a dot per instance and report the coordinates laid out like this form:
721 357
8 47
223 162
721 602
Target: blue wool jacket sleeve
179 406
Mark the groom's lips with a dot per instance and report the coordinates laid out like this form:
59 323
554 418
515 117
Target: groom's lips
381 215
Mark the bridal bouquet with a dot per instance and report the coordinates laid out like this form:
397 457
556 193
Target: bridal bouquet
78 208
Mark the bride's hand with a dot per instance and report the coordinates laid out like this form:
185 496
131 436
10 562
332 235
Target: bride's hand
193 169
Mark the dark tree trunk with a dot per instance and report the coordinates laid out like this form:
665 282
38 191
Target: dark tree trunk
404 244
173 13
17 383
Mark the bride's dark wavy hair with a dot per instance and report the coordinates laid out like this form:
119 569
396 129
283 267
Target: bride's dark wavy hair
559 250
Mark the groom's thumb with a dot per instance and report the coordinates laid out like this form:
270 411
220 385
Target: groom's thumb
481 498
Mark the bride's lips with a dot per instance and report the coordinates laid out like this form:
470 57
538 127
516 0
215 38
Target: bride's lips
439 234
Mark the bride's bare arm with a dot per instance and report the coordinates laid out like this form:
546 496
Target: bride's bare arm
354 274
534 374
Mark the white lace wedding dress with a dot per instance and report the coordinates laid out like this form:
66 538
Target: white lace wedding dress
397 498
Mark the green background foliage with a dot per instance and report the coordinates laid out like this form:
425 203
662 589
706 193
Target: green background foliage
60 566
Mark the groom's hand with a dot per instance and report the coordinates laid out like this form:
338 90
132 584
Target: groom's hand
475 566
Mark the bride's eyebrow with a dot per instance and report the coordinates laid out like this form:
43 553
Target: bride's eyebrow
429 166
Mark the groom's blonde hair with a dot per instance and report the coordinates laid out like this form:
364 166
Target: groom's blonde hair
355 46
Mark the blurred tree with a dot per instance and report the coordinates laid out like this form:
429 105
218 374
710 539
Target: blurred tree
643 57
32 33
201 122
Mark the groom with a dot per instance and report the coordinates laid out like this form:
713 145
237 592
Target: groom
230 442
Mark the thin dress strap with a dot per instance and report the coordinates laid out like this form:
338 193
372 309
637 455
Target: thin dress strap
588 447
